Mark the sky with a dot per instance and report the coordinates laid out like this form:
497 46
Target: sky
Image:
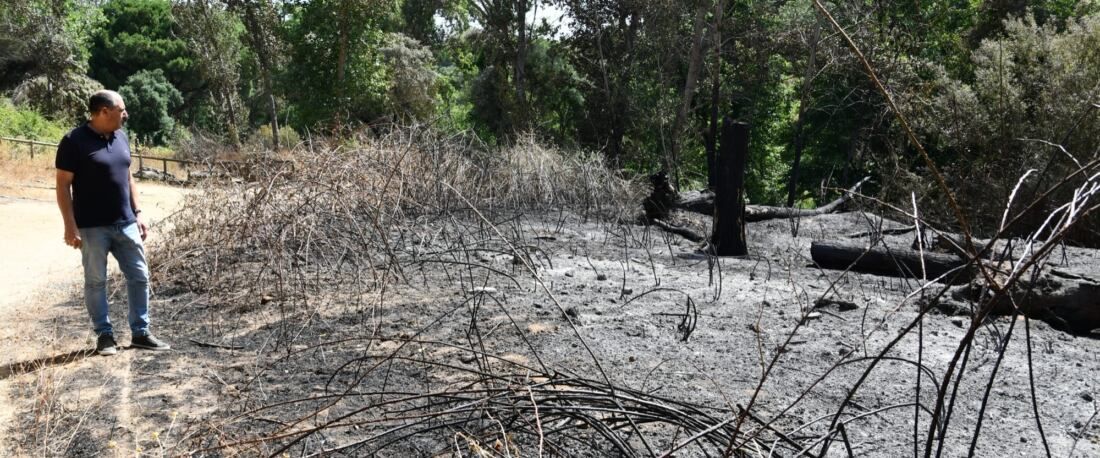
554 15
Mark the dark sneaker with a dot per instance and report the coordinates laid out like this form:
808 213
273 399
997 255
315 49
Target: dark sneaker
149 343
106 345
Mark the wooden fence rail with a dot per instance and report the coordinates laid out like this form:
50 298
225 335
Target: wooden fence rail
32 143
141 158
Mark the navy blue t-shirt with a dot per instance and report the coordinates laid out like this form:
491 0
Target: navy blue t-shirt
101 176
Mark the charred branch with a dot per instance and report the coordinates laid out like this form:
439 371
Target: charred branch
703 202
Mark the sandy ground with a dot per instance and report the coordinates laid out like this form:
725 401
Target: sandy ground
40 281
38 261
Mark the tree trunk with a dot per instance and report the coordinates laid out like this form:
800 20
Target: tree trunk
227 79
704 203
342 54
799 140
681 231
616 84
234 131
274 115
712 135
1067 300
521 62
259 38
695 63
728 237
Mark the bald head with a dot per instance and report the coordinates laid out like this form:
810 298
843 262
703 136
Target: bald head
103 99
107 110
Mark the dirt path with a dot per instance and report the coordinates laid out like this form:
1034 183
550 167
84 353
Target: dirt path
40 281
38 261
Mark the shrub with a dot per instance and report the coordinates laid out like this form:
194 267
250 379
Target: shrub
1032 89
328 203
150 98
28 124
65 99
288 138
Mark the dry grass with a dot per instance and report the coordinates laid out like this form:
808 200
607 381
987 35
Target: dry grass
339 208
23 176
325 231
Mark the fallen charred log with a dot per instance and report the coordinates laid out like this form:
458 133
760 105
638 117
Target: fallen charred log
1067 302
894 262
703 202
681 231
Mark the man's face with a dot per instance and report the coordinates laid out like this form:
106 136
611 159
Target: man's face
115 117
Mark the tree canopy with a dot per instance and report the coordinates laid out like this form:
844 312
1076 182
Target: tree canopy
642 83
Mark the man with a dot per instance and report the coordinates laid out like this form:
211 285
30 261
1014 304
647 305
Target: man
98 203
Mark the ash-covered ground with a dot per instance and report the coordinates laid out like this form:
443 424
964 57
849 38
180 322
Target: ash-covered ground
628 341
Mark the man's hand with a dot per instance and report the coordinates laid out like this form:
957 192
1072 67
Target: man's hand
65 204
72 237
142 228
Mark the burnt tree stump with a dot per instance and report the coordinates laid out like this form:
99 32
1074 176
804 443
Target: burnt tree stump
661 200
728 237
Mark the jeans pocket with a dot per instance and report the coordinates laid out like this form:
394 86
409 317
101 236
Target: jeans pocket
132 232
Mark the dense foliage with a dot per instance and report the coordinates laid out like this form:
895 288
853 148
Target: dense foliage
1030 105
643 83
138 35
24 123
151 100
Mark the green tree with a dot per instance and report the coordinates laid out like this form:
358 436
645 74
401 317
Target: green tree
607 49
502 45
266 51
1034 85
336 76
44 48
64 99
418 18
989 22
140 35
838 121
554 89
413 83
213 36
150 99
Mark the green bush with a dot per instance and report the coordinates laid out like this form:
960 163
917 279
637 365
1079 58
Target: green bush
65 99
412 88
1032 89
288 138
1035 83
149 99
28 124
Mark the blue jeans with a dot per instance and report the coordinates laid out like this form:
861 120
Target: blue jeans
124 242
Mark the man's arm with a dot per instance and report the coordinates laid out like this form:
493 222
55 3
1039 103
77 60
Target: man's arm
65 204
137 209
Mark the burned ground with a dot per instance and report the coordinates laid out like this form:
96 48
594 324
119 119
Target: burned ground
629 341
405 300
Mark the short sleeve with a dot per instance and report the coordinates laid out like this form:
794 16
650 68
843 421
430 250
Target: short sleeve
66 155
